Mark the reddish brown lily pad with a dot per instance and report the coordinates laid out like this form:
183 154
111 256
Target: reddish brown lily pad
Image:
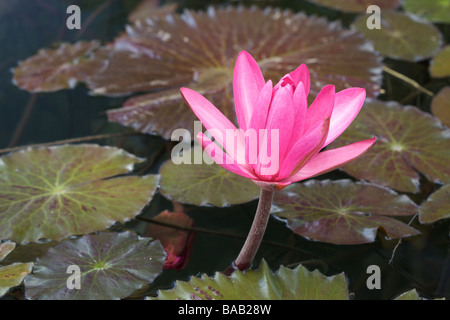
437 206
408 141
60 68
440 106
343 212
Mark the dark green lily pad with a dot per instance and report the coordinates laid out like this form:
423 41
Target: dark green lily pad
112 266
343 212
60 68
408 140
13 275
436 11
357 6
204 184
261 284
440 106
436 207
440 64
402 36
57 192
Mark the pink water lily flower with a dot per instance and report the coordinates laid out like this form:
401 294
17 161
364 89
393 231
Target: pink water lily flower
279 111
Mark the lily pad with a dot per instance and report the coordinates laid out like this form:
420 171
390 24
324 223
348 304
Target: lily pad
402 36
440 106
205 184
343 212
440 64
436 207
60 68
56 192
408 141
13 275
436 11
6 248
261 284
111 266
357 6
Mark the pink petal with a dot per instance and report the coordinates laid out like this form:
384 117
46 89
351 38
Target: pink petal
306 148
301 75
347 105
300 104
321 108
281 118
247 83
220 157
331 159
261 110
213 120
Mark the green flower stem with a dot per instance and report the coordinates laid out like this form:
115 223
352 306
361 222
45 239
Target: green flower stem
257 230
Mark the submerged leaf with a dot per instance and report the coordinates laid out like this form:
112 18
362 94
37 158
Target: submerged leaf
176 242
402 36
437 206
205 184
343 212
261 284
111 265
57 192
408 140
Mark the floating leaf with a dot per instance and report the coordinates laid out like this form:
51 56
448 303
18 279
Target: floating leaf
6 248
440 64
176 242
112 266
402 36
408 140
261 284
55 69
357 6
205 184
437 206
409 295
13 275
343 212
148 8
436 11
440 106
66 190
